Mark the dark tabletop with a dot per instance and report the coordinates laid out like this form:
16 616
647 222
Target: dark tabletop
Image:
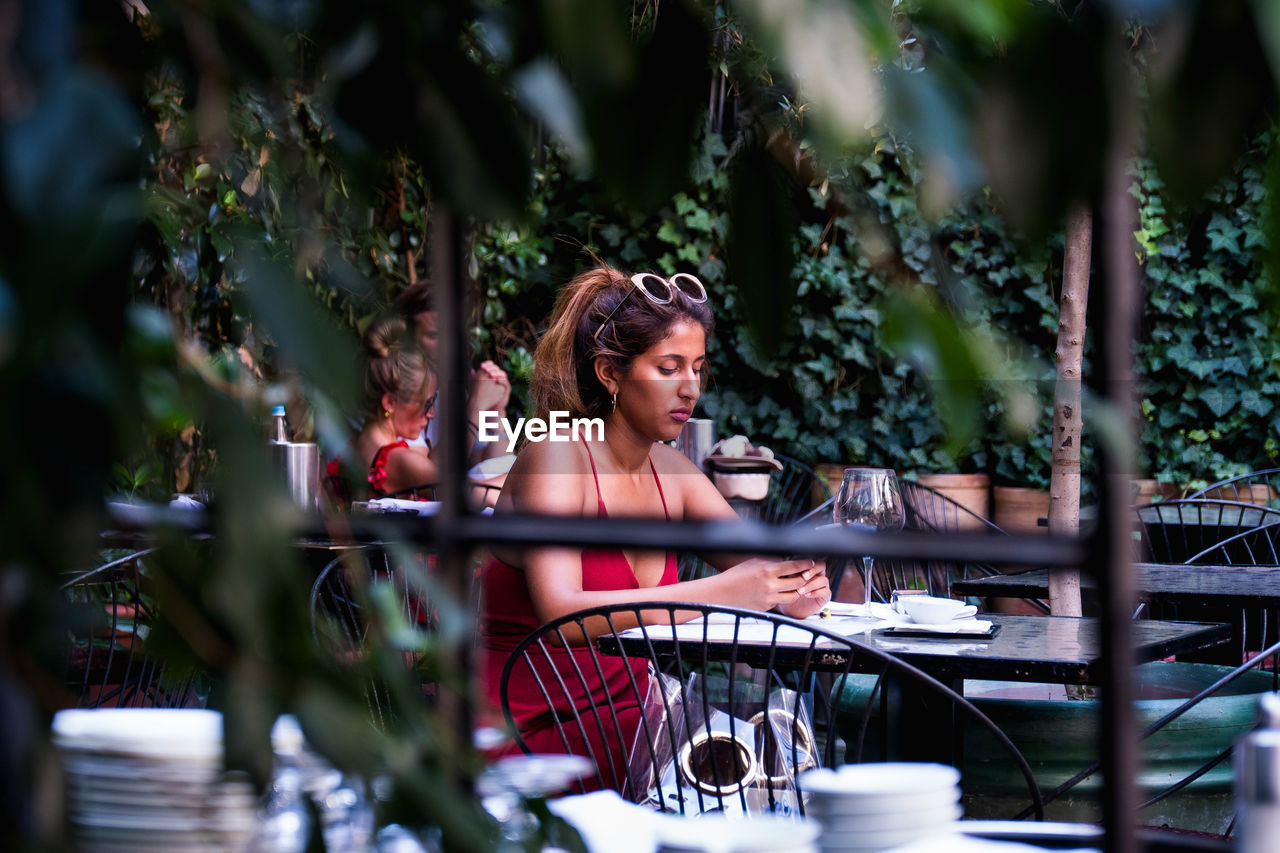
1025 648
1255 586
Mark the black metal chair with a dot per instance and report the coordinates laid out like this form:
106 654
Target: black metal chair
1175 531
788 501
1213 532
113 609
1254 547
1255 627
369 596
1261 487
1218 688
655 739
790 496
929 510
792 491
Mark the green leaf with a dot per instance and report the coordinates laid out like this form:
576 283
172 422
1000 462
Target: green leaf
1255 402
669 233
1220 400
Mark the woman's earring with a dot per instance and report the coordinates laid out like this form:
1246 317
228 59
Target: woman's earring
386 413
615 401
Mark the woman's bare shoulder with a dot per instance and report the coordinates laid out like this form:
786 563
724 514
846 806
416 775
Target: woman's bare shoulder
692 494
669 461
549 477
551 457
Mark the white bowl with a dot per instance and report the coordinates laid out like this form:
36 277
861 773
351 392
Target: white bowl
885 839
931 610
891 806
880 788
934 815
882 777
160 735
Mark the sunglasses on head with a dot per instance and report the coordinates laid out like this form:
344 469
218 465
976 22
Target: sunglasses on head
660 291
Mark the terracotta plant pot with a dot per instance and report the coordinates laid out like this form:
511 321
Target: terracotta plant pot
1261 494
1146 491
1019 510
830 473
971 491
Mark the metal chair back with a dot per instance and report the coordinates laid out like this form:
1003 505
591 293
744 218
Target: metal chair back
1175 531
367 597
1261 487
791 494
1169 721
114 608
930 510
578 685
788 501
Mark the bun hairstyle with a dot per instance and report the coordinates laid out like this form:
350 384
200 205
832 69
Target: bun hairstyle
393 365
564 376
416 299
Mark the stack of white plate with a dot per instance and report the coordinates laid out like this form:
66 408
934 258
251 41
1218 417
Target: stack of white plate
719 833
150 779
866 808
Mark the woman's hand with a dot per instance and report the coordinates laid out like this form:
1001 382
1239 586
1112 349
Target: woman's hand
792 586
812 597
490 389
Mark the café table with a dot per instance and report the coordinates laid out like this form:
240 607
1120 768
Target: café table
1049 649
1185 586
1044 649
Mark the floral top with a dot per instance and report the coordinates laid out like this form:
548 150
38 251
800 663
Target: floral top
377 477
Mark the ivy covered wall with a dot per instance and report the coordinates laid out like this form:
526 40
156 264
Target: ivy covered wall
839 385
1210 353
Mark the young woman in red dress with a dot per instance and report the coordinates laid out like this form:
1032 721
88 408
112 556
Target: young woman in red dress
630 350
397 400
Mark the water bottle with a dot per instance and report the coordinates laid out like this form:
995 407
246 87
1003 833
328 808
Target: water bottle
286 823
281 434
1257 762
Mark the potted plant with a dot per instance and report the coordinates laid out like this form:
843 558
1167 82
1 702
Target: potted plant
971 491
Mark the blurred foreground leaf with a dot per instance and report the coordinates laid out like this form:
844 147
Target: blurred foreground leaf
1211 88
760 245
639 99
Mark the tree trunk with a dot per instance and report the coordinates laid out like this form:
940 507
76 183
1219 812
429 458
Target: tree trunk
1064 483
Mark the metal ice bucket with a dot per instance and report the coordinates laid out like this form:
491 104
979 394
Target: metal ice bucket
299 465
696 439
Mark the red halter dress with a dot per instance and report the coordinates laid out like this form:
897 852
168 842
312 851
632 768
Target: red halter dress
507 617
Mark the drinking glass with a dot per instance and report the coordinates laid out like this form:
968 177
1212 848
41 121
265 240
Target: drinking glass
869 499
507 786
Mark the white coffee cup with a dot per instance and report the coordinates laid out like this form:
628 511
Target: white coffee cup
932 610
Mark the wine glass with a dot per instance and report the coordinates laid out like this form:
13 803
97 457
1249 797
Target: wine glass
869 499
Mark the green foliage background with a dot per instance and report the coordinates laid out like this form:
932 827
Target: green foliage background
839 379
837 389
202 204
839 385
